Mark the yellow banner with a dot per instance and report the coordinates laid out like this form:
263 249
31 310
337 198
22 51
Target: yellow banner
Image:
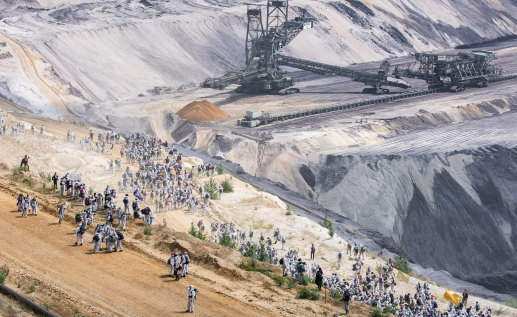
452 297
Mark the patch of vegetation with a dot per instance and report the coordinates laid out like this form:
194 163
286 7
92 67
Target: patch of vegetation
211 188
499 311
227 186
379 269
308 293
261 189
28 181
32 288
147 230
336 295
78 313
291 282
16 170
512 302
306 280
4 272
279 280
220 169
328 224
288 211
401 263
196 233
227 241
256 252
376 312
90 191
388 310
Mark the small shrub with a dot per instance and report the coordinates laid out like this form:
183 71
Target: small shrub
499 311
379 269
227 241
90 191
291 282
220 169
32 288
4 272
147 230
28 181
279 280
288 211
401 263
227 186
16 170
328 224
336 295
307 293
211 188
388 310
192 230
376 312
512 302
261 189
306 280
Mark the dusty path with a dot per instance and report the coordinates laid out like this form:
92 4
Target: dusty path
126 283
27 60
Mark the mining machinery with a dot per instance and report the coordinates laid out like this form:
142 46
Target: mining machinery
262 74
452 72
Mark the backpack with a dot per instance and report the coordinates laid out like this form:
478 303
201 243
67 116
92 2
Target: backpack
346 296
82 229
120 236
187 259
135 204
125 200
78 217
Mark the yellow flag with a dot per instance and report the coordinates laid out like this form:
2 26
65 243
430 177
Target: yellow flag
452 297
403 276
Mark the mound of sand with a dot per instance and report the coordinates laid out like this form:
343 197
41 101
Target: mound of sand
201 111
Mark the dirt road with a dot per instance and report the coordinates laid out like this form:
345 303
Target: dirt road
126 283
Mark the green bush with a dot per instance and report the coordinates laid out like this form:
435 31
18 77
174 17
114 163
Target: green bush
17 170
255 251
227 242
328 224
28 181
376 312
336 295
388 310
211 188
220 169
512 302
291 282
307 293
196 233
279 280
227 186
306 280
4 272
401 263
148 231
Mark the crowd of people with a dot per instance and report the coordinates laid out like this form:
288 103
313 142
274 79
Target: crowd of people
165 185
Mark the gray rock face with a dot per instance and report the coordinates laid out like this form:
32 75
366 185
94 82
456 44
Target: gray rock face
455 212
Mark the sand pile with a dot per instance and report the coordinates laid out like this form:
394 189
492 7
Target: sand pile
201 111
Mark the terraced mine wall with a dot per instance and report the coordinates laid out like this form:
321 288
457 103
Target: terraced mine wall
455 211
444 194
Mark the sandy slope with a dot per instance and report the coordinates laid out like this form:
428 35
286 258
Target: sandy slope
47 250
66 267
